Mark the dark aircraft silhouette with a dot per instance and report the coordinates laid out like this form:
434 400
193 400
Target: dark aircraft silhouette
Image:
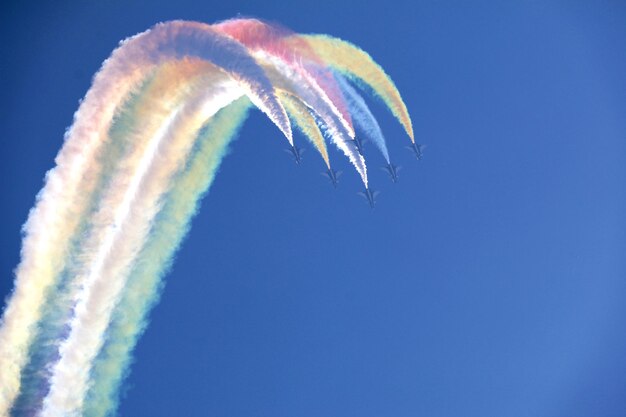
358 142
333 176
370 195
417 149
296 153
392 170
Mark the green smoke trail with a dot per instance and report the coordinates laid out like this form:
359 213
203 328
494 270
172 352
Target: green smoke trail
58 307
146 280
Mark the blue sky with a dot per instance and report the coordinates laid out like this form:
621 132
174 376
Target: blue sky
488 282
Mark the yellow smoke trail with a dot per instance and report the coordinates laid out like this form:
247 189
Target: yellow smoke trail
62 203
130 206
306 122
143 285
287 80
357 64
60 208
298 108
94 221
55 218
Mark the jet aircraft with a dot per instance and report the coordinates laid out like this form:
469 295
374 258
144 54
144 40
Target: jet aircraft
392 170
333 176
370 196
417 149
296 152
358 142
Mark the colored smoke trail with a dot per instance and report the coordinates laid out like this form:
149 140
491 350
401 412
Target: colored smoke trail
145 281
305 121
275 41
357 65
364 117
144 148
292 83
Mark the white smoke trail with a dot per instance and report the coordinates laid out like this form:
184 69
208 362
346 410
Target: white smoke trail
287 79
62 202
269 41
301 116
119 245
144 283
55 217
114 210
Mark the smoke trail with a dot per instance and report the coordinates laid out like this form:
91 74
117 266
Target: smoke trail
364 117
53 220
271 40
302 117
57 309
301 66
179 39
64 198
129 177
145 282
128 137
356 64
115 248
289 81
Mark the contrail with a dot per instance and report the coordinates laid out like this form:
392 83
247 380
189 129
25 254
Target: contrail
144 148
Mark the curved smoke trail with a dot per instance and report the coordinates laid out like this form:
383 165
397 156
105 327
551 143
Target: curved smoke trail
358 66
364 117
144 148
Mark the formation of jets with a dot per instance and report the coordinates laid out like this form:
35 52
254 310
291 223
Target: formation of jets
369 194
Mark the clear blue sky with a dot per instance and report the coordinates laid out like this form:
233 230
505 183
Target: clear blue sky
488 282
